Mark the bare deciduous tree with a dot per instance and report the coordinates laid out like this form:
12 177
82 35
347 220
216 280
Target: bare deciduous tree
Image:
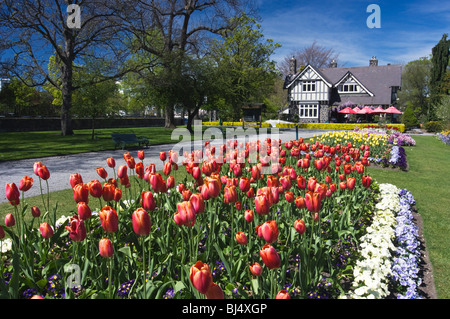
315 55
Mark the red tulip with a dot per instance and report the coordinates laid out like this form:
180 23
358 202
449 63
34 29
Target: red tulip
244 184
213 186
157 182
105 248
108 192
262 205
10 221
102 172
269 231
141 155
300 202
141 222
197 203
167 168
46 230
77 229
241 238
36 166
95 188
109 219
84 211
311 184
81 193
351 183
162 156
117 194
75 179
282 294
35 211
200 276
12 194
300 226
301 182
230 194
139 169
43 172
270 257
111 162
313 202
185 214
214 292
148 201
256 269
249 216
366 181
25 183
170 182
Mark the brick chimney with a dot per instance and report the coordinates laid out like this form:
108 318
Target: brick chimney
373 61
292 65
333 64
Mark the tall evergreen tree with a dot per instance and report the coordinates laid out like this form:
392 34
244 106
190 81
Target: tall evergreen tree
440 62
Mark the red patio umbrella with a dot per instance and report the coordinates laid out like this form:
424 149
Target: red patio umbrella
393 110
365 110
379 110
347 110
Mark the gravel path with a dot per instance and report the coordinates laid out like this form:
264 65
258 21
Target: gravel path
61 167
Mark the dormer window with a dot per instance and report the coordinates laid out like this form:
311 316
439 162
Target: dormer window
350 87
309 86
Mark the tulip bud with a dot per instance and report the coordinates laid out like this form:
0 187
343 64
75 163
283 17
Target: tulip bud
141 155
84 211
108 192
10 220
270 257
25 183
105 248
111 162
81 193
141 222
241 238
269 231
77 229
200 276
43 172
215 292
35 211
109 219
12 194
162 156
249 216
300 226
46 230
256 269
148 201
282 294
102 172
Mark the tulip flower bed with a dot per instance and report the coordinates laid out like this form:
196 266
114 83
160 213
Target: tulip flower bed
249 220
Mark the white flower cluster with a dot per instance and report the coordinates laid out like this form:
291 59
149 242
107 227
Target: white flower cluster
373 270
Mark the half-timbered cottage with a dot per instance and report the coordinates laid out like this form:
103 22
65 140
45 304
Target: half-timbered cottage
314 93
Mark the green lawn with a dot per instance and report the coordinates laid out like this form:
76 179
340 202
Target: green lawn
428 181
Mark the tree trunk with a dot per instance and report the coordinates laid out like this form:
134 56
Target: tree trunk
169 116
67 84
191 116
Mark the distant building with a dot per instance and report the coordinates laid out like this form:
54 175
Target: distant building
3 82
313 94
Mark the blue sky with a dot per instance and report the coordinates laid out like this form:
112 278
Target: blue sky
409 28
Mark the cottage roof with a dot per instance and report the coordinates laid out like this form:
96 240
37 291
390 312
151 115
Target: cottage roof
377 79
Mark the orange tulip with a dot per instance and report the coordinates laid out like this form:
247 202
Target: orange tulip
117 194
256 269
141 222
351 183
300 202
213 186
301 182
200 276
102 172
313 202
141 155
167 168
105 248
249 216
366 181
230 194
109 219
25 183
241 238
111 162
81 193
139 169
46 230
244 184
108 192
270 257
170 182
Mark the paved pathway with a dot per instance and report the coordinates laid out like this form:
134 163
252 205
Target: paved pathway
61 167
